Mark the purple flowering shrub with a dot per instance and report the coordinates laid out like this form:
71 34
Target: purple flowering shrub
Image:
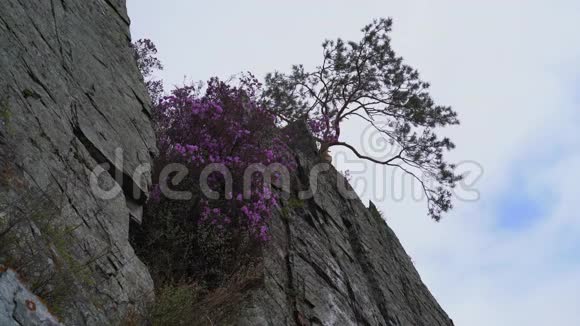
324 128
227 126
200 238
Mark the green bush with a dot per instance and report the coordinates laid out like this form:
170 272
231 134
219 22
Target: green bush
37 247
176 248
174 305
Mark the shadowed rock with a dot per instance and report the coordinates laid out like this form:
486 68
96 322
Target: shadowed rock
72 97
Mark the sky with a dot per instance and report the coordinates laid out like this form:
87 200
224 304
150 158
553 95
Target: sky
509 253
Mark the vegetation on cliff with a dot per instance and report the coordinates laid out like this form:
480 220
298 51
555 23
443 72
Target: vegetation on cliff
190 239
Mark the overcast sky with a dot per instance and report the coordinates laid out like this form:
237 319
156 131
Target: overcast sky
511 69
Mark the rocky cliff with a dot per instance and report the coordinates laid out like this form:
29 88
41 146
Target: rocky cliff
71 97
331 261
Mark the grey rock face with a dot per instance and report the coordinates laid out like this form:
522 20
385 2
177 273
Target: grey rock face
18 306
332 261
71 98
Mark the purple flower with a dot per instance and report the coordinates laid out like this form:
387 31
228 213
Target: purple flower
180 149
225 125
